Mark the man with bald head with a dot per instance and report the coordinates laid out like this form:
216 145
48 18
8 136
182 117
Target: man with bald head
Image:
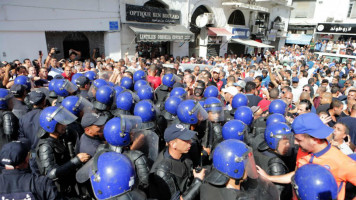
288 97
325 101
320 91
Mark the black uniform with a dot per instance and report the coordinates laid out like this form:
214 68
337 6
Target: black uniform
170 178
161 94
214 192
139 160
19 108
19 184
54 161
9 126
273 165
229 115
29 125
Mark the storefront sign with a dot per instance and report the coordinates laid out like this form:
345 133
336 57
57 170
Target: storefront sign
163 37
272 34
336 28
152 15
240 33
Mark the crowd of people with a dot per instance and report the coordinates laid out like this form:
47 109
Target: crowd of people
278 125
347 47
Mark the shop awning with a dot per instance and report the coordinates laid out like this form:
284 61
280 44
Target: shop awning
301 39
161 33
213 31
252 43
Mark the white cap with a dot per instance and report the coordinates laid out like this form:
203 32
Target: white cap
217 70
232 90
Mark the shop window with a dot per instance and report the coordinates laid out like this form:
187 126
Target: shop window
156 4
153 49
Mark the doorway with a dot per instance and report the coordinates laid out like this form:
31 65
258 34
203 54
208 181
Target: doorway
77 41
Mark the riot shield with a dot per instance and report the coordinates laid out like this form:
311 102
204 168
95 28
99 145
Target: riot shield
145 141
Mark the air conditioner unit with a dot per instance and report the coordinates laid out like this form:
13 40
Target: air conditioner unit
329 19
210 17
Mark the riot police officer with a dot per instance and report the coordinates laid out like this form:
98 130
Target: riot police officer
178 92
18 105
170 110
277 106
211 91
14 156
104 97
83 84
91 75
145 92
126 82
114 177
139 75
8 120
53 157
139 83
125 102
96 84
29 123
234 171
118 133
64 88
172 175
148 112
237 101
234 129
314 181
213 136
278 140
163 90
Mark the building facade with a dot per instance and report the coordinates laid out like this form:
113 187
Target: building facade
140 27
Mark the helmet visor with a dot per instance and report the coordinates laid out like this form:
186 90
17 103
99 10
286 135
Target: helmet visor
69 86
250 164
135 97
215 112
62 116
128 123
199 111
83 105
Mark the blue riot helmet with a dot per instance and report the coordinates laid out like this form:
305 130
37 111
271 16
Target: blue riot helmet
50 116
139 75
139 83
126 100
191 112
111 84
104 97
112 175
64 87
99 83
215 109
171 106
170 79
145 92
234 129
75 77
239 100
126 82
146 110
117 130
232 158
118 89
312 181
23 80
51 86
91 75
76 104
178 92
4 97
276 132
277 106
211 91
275 117
244 114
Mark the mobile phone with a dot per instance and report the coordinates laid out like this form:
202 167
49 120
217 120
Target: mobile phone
39 52
346 139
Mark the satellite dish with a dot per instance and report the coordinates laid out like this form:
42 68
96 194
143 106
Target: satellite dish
201 21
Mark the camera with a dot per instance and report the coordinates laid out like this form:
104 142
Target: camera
13 65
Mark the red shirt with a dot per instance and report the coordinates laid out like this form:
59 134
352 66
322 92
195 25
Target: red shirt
154 81
66 77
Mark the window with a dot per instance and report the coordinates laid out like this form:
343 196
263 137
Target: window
351 5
